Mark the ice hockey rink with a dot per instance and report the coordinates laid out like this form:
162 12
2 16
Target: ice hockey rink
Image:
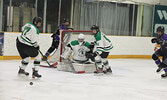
132 79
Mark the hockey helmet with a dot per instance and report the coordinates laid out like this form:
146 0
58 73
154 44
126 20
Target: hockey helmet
37 20
95 27
66 20
161 29
81 36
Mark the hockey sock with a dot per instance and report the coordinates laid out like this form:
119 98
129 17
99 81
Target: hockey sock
37 61
157 61
36 64
105 63
24 63
165 70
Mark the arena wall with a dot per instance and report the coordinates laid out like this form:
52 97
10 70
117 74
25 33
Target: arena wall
124 46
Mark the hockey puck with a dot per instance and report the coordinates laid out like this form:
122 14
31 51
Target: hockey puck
31 83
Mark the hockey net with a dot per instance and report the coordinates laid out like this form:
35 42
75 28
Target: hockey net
66 36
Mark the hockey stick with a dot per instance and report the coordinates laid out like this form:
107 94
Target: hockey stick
46 60
72 67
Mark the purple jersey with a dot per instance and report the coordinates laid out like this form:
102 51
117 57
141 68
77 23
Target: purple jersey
62 27
164 37
164 41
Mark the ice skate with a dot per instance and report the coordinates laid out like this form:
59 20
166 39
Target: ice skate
35 74
23 72
109 70
159 69
164 75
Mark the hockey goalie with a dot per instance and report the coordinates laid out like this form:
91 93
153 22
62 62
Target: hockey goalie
78 51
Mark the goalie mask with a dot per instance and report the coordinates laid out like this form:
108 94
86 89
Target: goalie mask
81 38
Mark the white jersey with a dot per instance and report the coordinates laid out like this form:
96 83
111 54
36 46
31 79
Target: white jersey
103 44
79 50
29 34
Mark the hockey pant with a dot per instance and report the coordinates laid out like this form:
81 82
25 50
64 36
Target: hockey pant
26 52
55 44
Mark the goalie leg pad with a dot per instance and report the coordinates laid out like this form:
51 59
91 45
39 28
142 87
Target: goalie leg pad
66 53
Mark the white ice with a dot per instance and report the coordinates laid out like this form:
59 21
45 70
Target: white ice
132 79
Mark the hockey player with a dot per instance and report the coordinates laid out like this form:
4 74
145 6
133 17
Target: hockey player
56 39
103 47
79 48
161 39
27 46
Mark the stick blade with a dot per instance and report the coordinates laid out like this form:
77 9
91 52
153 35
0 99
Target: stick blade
81 72
51 66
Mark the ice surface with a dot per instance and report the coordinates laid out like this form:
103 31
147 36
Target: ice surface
132 79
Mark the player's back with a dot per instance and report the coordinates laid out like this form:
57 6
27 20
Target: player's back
29 34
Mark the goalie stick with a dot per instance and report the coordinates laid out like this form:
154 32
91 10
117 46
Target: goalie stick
72 67
51 66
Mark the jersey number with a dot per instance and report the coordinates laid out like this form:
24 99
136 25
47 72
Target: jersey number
81 52
26 29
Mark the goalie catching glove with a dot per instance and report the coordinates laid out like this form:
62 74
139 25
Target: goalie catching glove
91 54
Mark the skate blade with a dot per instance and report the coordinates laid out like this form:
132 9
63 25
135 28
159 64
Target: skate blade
22 74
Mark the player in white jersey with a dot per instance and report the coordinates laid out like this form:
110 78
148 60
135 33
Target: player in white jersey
103 46
79 48
27 46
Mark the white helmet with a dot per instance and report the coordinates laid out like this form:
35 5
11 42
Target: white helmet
81 36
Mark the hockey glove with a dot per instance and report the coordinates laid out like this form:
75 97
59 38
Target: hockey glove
160 41
90 55
154 40
98 52
91 46
70 29
93 43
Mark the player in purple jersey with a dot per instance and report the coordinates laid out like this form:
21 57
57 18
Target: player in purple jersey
161 39
56 39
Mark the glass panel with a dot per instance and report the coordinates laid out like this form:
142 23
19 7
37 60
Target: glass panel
147 20
112 18
17 13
